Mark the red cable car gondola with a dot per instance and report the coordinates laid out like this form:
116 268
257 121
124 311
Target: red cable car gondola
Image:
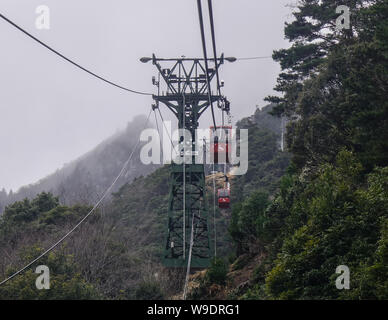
224 195
220 140
223 198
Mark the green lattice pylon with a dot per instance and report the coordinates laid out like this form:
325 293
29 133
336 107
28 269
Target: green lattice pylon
179 232
187 96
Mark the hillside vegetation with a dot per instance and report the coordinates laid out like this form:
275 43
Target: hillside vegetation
332 206
116 254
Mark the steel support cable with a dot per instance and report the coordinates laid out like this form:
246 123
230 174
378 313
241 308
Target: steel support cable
71 61
184 205
156 122
201 24
215 126
219 93
184 178
210 5
157 127
108 190
214 211
184 213
189 259
168 134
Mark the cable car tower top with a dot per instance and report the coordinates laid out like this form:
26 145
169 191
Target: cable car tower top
186 81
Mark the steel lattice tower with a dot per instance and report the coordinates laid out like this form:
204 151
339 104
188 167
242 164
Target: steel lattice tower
187 97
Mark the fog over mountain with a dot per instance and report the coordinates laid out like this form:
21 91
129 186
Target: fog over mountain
85 179
52 113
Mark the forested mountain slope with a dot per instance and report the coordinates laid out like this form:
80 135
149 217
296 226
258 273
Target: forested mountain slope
117 253
332 207
267 164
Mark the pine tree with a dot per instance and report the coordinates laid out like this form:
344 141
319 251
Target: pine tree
313 33
335 86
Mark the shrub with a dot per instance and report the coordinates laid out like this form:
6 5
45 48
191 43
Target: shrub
149 290
217 272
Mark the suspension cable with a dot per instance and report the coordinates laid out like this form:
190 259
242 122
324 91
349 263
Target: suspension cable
214 211
157 127
184 180
108 190
189 259
215 127
206 59
168 134
69 60
156 122
210 5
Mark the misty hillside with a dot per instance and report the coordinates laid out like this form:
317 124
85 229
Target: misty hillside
124 241
85 179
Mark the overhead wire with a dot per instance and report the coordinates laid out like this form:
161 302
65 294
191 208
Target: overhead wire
165 127
201 24
71 61
189 258
219 92
156 122
213 34
184 177
157 127
199 5
108 190
210 5
214 211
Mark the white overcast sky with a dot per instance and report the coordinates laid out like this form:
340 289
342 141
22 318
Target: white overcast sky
51 112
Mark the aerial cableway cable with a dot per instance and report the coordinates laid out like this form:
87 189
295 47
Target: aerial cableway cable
211 17
71 61
159 132
107 192
167 132
210 5
201 24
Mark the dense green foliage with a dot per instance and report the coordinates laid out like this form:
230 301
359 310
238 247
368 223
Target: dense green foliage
25 221
267 164
336 220
217 273
149 290
335 84
248 220
332 206
65 282
97 261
